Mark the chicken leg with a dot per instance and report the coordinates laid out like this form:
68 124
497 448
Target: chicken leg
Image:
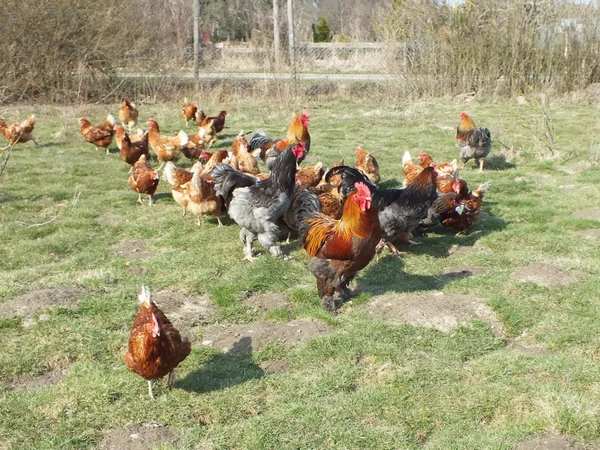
171 379
140 198
219 220
150 390
481 165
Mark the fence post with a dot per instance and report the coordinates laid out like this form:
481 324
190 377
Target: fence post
196 40
292 44
276 36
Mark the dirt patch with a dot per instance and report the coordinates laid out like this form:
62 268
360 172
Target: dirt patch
137 270
549 443
529 350
265 302
188 313
593 233
37 382
458 272
254 336
575 168
132 249
139 437
442 312
457 250
544 275
568 187
29 304
276 366
110 219
590 214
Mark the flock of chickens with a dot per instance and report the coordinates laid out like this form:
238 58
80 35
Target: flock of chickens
341 217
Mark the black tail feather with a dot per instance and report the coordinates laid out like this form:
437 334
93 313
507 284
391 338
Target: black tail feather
227 179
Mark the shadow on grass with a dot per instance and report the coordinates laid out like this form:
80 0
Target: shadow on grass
498 162
224 370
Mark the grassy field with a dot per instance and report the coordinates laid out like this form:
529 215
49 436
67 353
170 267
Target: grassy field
436 374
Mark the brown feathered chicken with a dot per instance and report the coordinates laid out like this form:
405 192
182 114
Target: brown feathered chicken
338 249
335 179
155 346
143 179
446 171
177 177
195 146
218 122
473 142
212 159
100 135
18 131
368 164
128 114
270 149
467 211
167 148
131 151
241 158
310 176
120 132
189 110
201 198
207 128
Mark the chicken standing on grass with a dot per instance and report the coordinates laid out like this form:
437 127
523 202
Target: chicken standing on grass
473 142
143 179
167 148
155 346
100 135
128 114
18 131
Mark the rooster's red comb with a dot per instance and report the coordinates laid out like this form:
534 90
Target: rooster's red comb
362 189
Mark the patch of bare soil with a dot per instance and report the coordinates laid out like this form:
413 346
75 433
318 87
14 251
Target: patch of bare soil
544 275
132 249
187 313
139 437
442 312
276 366
29 304
529 350
590 214
254 336
575 168
265 302
110 219
457 250
463 271
37 382
568 186
549 443
593 233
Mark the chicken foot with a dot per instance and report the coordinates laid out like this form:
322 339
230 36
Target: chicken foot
219 220
150 390
247 238
328 303
481 165
171 379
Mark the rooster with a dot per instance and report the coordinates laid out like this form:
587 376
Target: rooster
258 207
18 132
400 210
189 110
218 122
338 249
270 148
131 151
167 148
368 165
143 179
155 346
473 142
101 135
128 114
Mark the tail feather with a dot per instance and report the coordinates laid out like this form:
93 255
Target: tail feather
406 158
227 179
183 138
306 206
144 297
350 176
259 140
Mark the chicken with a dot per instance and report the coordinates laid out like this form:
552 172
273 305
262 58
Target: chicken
143 179
131 151
227 179
270 148
331 200
310 176
368 165
155 346
195 146
242 159
221 156
400 210
338 249
467 211
335 179
446 171
189 110
258 207
473 142
120 132
18 131
444 206
100 135
176 178
218 121
167 148
201 197
207 128
128 114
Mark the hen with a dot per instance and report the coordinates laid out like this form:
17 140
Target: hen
338 249
131 151
400 210
444 206
467 210
473 142
220 156
270 148
195 146
128 114
368 165
18 131
167 148
258 207
189 110
310 176
176 178
218 122
100 135
446 171
155 346
241 158
143 179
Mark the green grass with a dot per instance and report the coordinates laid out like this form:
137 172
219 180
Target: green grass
365 385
